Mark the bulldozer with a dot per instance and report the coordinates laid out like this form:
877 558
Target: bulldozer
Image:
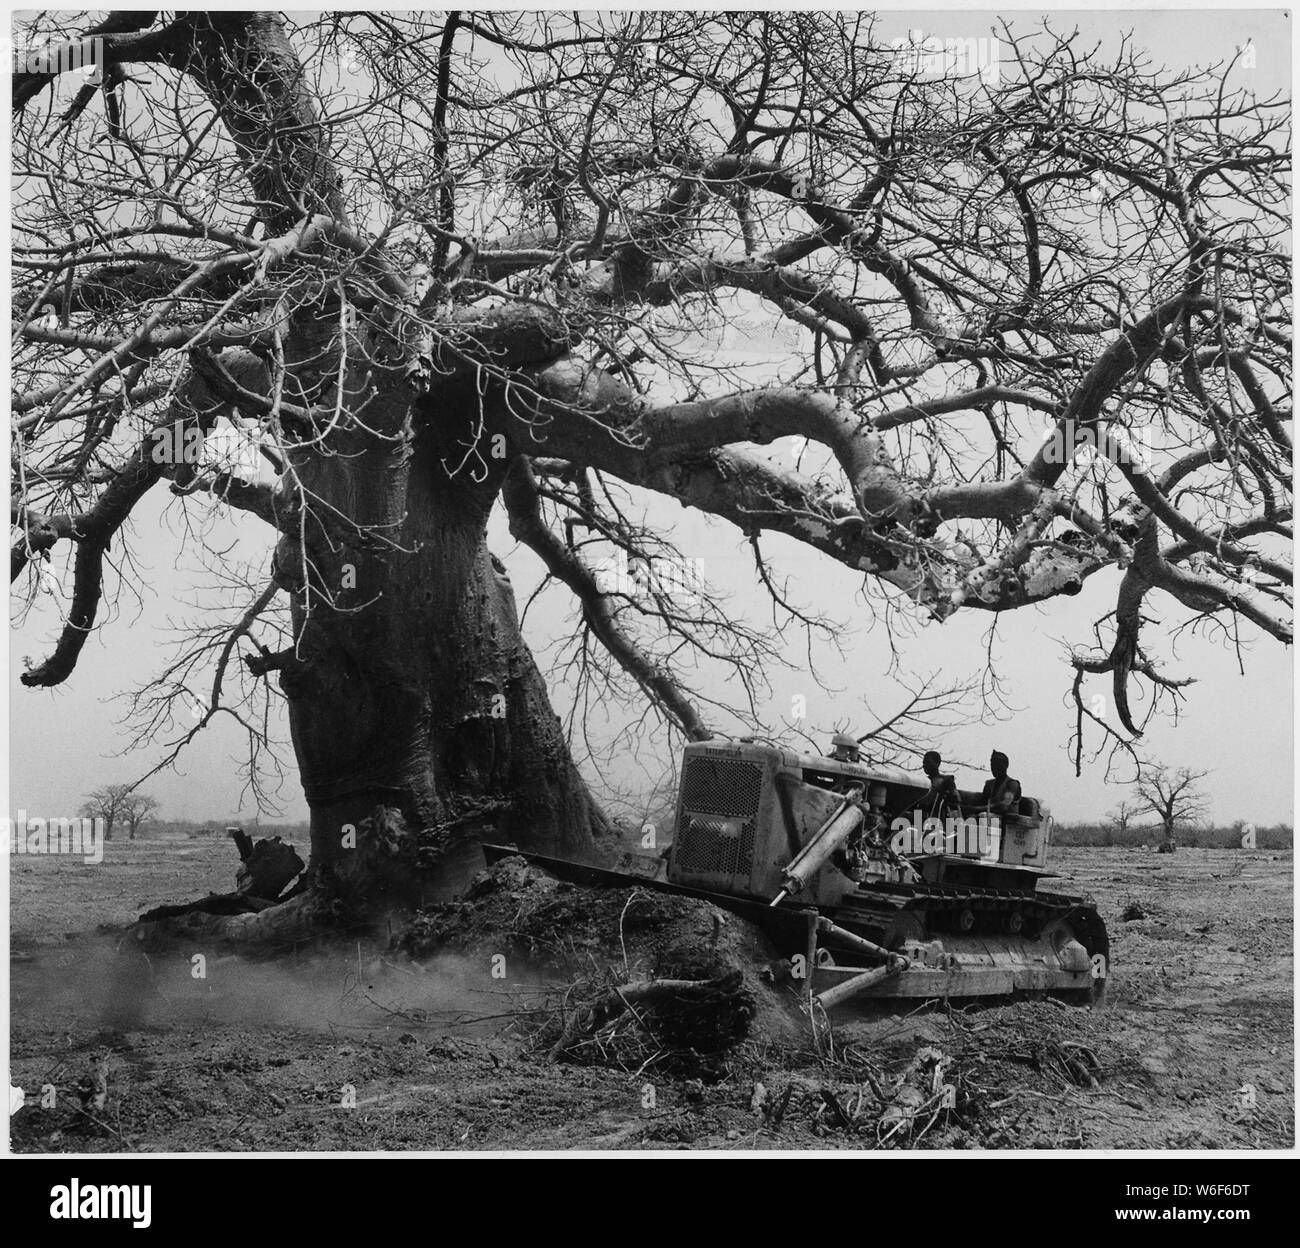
861 895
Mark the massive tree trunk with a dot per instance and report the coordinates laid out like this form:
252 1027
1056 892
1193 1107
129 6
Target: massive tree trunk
420 721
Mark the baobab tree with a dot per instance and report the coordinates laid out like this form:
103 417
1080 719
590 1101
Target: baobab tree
136 809
363 278
107 803
1171 795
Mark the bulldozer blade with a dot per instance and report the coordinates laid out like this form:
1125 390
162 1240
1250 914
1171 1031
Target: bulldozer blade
786 922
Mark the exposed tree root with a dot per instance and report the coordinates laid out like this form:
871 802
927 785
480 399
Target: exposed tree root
300 920
657 994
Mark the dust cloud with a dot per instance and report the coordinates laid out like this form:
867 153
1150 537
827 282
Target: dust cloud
107 983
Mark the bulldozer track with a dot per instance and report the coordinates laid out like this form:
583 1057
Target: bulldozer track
874 911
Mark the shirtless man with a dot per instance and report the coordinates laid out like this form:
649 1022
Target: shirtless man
1001 795
942 799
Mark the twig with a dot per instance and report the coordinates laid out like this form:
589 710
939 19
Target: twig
833 1104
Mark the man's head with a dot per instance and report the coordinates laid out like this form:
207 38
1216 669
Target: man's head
844 748
998 763
876 796
930 763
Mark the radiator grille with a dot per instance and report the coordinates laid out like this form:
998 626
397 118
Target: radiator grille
719 801
719 786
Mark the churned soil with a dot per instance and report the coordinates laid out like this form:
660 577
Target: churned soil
495 1022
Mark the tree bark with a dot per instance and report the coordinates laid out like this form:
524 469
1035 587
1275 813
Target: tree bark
420 722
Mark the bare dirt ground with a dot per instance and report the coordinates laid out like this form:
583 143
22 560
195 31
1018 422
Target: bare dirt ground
358 1050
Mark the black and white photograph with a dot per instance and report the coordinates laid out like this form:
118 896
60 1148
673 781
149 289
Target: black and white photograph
651 582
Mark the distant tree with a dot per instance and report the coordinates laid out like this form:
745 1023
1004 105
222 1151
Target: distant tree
1172 796
135 809
1120 818
107 803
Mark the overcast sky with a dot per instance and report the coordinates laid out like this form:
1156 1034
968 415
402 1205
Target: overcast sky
66 741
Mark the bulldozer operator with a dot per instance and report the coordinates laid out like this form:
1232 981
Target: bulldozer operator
942 800
1001 795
